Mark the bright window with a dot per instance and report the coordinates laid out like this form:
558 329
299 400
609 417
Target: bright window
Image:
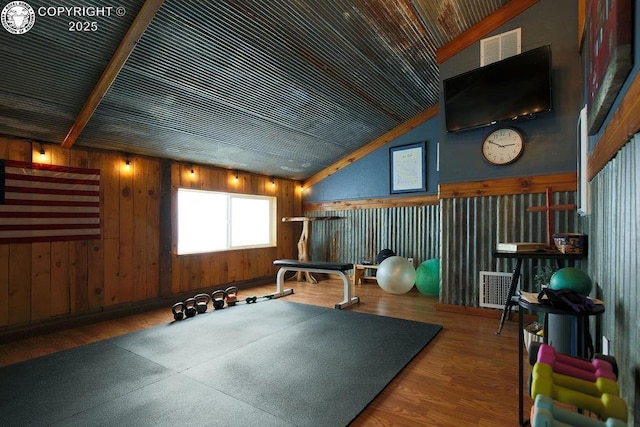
210 221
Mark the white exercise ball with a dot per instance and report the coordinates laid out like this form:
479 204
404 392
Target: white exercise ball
396 275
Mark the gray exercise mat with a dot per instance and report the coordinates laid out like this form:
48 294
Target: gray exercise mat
269 363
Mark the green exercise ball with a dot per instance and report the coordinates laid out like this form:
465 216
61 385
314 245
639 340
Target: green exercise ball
571 278
428 277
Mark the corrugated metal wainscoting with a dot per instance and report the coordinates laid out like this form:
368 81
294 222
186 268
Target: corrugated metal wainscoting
360 234
472 227
613 261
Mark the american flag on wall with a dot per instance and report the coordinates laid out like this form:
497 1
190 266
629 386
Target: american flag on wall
46 203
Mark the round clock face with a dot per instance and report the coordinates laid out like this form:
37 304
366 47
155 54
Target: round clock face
503 146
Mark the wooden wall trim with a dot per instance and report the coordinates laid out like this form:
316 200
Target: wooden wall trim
389 202
490 313
373 145
582 19
496 187
624 124
482 28
509 186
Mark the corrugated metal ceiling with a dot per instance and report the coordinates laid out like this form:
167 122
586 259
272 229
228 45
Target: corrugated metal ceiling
279 87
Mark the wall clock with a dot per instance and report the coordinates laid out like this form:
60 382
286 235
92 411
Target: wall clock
503 146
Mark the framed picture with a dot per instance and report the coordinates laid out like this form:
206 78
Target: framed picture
408 164
609 55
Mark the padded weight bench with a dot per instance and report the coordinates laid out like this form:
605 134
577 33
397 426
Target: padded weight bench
317 267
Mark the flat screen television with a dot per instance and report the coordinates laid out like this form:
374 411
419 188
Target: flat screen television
515 87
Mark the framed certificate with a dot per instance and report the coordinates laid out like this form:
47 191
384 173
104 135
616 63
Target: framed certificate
408 168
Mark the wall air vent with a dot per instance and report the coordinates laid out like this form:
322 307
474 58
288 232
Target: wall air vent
493 49
494 288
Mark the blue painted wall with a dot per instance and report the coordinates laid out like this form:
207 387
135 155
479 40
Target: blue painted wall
550 138
369 177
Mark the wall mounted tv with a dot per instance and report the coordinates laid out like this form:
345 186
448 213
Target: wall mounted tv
518 86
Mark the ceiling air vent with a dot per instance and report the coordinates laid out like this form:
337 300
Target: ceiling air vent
493 49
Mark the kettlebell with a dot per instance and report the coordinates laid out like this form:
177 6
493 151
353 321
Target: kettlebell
218 299
202 301
231 295
190 307
178 311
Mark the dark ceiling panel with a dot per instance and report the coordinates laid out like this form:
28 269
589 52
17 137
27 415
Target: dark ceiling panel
50 71
279 87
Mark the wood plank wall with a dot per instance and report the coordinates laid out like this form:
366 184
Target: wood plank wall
43 282
221 268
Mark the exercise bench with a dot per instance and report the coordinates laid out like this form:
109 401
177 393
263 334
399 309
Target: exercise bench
317 267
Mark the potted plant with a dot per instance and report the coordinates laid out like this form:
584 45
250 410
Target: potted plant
543 276
533 331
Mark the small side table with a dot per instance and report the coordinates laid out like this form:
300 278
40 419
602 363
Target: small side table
358 272
512 298
582 320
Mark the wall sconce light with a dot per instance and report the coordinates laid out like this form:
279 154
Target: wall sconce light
127 163
273 182
236 175
42 153
193 172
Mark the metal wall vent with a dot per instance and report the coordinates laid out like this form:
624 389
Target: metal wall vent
493 49
494 288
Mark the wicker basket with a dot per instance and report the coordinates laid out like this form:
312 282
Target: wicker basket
530 334
571 243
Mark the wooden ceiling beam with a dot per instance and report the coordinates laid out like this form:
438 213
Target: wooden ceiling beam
482 28
372 146
119 58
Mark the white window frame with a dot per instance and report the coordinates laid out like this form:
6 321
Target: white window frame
199 226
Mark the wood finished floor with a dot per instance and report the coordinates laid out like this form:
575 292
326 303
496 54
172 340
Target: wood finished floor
467 376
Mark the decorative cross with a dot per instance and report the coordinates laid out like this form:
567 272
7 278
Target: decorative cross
548 208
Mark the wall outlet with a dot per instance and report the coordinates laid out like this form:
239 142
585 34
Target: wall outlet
411 261
606 346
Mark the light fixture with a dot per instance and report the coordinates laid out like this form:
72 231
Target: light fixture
127 163
236 175
42 153
273 182
193 172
